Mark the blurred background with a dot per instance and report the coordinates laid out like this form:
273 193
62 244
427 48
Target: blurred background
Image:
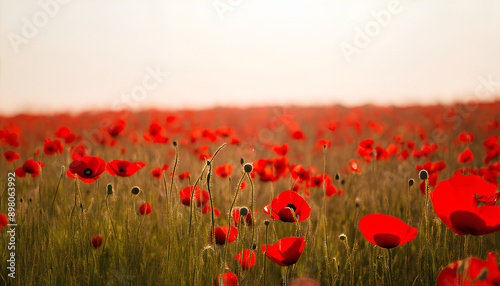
71 56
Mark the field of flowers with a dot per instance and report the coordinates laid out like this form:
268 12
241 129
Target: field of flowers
282 196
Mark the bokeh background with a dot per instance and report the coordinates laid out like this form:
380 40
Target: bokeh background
70 56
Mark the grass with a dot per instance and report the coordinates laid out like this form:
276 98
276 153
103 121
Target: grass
54 232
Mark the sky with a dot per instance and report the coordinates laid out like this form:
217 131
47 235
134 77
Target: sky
74 55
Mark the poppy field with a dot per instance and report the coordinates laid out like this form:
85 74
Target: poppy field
252 196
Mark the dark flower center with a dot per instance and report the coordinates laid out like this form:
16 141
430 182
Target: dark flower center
121 170
292 206
87 172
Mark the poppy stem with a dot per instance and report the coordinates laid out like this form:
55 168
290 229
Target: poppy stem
265 253
173 176
325 222
211 202
209 162
57 188
251 209
390 267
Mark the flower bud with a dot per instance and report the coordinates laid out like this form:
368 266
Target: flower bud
266 222
411 182
342 236
135 190
110 189
248 167
423 175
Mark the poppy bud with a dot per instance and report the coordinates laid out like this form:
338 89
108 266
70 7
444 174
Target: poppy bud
110 189
135 190
254 247
174 143
357 202
342 236
423 175
21 200
243 211
266 222
30 200
337 176
342 182
248 167
411 182
242 161
373 153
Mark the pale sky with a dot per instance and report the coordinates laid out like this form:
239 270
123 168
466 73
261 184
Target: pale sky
81 55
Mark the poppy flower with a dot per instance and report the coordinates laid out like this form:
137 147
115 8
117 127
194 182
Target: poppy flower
51 147
123 168
184 175
466 137
246 259
298 135
286 251
229 279
9 138
145 208
221 234
96 241
156 172
386 231
466 156
200 196
285 203
29 167
281 150
464 272
11 156
456 201
88 168
3 222
207 209
224 171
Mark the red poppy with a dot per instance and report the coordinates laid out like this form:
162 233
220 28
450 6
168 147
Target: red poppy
246 259
156 172
3 222
184 175
471 271
456 201
281 150
298 135
96 241
200 196
51 147
466 137
229 279
221 234
224 171
116 128
9 138
145 208
386 231
286 251
11 156
331 190
282 206
29 167
466 156
123 168
88 168
77 152
207 209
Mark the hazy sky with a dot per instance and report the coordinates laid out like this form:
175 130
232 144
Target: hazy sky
76 55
